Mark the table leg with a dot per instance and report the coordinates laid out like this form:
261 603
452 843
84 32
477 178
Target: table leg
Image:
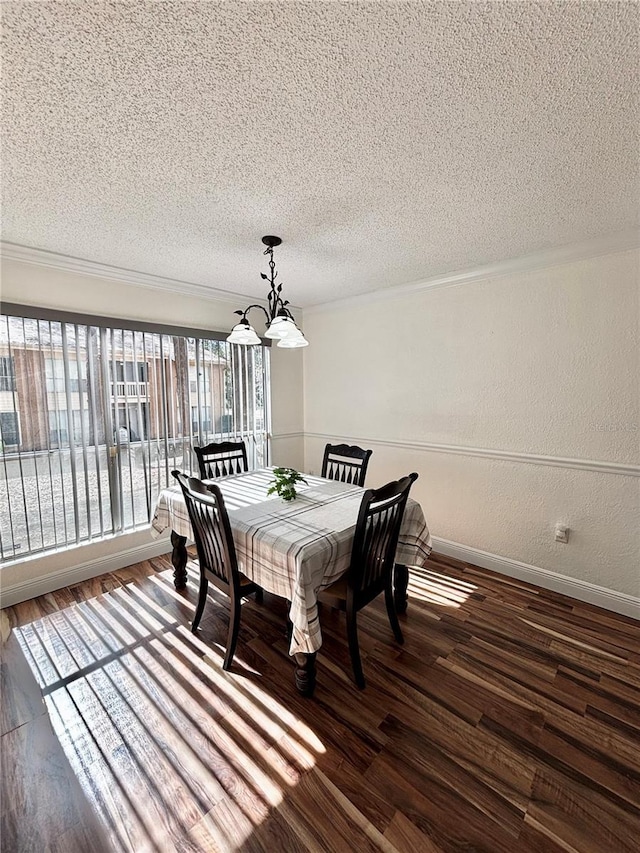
305 673
400 584
179 560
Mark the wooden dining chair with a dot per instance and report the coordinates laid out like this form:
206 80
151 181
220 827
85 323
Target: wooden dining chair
346 463
222 459
216 554
370 571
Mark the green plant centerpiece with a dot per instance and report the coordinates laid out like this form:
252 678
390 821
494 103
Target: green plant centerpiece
284 483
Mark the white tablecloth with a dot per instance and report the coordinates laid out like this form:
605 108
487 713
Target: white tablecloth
294 549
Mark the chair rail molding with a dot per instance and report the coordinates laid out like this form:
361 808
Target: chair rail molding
602 467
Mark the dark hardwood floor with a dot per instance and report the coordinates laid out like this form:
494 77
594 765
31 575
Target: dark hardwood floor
509 721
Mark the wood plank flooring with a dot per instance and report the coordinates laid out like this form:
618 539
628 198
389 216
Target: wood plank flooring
509 721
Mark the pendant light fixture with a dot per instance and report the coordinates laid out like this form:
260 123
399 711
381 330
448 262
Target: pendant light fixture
280 323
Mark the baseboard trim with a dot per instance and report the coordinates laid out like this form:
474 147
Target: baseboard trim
609 599
600 466
83 571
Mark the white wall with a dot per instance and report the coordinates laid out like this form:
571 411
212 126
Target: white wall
33 284
287 401
516 398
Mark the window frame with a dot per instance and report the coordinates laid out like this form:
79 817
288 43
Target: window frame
247 375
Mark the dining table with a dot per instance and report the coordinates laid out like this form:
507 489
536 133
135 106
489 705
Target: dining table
293 549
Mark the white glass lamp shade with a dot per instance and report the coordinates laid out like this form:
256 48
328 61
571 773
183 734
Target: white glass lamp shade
276 327
282 327
243 334
290 342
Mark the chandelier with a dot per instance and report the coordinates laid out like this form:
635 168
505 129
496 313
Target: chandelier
279 320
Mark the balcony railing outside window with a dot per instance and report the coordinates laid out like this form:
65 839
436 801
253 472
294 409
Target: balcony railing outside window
131 389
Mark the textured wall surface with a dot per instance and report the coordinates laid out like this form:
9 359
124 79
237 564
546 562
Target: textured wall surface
469 385
386 142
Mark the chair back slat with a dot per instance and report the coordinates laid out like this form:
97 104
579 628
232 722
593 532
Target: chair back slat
376 537
211 529
222 459
346 463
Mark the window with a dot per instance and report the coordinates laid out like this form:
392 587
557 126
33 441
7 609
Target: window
7 373
59 426
204 413
9 429
134 420
58 432
55 373
107 413
131 371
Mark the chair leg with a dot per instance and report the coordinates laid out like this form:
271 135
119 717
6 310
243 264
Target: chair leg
202 600
259 595
391 612
234 628
354 648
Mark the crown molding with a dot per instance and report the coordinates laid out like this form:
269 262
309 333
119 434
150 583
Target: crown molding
601 467
620 241
608 244
66 263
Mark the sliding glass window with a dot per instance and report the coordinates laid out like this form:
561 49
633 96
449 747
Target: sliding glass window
94 417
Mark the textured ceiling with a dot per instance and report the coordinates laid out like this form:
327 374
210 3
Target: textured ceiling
384 142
